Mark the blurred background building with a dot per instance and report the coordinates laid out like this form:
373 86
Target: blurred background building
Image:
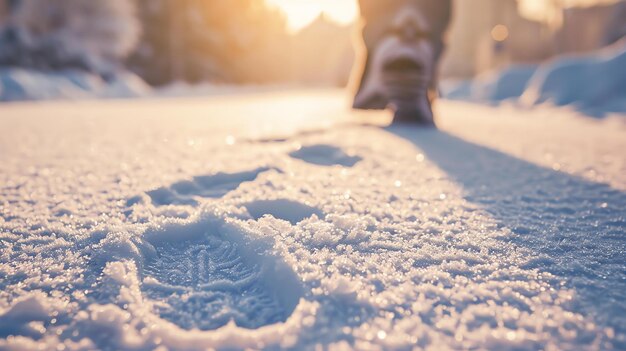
491 33
487 34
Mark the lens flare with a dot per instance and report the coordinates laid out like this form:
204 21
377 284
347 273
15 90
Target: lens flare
500 32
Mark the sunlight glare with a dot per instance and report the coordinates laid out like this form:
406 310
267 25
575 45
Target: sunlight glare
301 13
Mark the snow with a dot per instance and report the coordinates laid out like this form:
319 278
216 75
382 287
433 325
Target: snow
593 83
17 84
325 155
493 86
282 220
20 84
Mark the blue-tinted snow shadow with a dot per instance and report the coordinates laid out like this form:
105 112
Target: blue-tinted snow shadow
187 192
576 227
325 155
287 210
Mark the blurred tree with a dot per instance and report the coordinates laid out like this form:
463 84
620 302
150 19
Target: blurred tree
232 41
58 34
196 40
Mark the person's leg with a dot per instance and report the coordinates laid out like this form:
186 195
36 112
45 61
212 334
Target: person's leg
403 43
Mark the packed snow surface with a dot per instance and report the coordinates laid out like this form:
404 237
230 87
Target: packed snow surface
284 221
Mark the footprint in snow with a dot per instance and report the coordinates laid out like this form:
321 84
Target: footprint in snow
209 186
325 155
202 278
291 211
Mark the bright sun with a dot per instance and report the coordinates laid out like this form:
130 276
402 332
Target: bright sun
302 12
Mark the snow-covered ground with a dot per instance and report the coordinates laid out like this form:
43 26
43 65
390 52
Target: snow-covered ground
282 220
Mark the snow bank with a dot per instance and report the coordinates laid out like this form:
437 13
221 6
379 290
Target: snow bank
20 84
493 86
593 83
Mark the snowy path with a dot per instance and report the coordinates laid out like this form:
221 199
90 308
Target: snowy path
251 222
